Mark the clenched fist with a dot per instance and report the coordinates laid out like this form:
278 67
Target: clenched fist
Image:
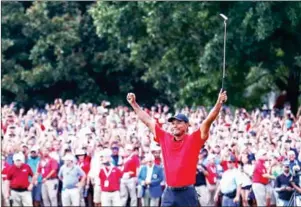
222 97
131 98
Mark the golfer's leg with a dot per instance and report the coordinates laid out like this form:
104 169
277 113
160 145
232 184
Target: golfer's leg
167 198
187 197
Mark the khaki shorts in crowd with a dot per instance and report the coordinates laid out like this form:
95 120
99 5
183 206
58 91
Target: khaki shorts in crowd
97 194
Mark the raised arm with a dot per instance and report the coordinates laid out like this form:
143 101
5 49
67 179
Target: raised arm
142 115
205 127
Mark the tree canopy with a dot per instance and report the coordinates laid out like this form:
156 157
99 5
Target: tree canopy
168 52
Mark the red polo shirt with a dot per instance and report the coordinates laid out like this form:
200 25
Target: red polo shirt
18 177
46 166
85 165
113 178
259 170
212 174
5 170
131 165
180 157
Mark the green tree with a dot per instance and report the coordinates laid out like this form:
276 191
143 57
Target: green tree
179 46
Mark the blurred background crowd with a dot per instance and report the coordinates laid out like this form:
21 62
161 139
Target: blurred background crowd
87 154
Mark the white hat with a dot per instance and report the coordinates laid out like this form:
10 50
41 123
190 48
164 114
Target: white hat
106 152
155 147
19 156
80 152
129 147
34 149
260 153
69 157
149 157
291 152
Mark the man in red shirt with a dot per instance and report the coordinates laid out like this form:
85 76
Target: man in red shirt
129 178
17 182
109 181
180 152
48 167
261 179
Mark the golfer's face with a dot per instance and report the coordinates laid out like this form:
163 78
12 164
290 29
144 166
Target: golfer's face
178 128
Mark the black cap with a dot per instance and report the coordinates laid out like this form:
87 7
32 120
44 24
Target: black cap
179 117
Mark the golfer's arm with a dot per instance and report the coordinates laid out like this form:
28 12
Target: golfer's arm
209 120
144 117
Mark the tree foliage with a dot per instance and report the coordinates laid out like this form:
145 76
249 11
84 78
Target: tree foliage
167 52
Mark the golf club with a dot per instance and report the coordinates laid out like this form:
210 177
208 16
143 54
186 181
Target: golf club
224 62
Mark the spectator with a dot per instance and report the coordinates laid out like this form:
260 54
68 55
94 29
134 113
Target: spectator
230 185
33 161
18 182
110 181
70 174
150 178
129 178
261 179
296 183
48 168
200 185
283 186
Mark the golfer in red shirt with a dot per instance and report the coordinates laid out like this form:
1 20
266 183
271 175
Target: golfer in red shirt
180 151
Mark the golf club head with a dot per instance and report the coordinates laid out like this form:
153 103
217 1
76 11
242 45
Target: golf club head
224 17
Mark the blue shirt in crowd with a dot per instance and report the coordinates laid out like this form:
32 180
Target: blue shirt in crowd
70 176
33 164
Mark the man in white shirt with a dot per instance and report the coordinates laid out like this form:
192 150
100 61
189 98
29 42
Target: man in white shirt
93 176
230 185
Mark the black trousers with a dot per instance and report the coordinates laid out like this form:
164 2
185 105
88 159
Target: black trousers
180 197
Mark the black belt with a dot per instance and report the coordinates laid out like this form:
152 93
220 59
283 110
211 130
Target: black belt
180 188
20 189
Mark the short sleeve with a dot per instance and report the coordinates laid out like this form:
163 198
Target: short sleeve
54 165
197 140
30 173
80 172
160 134
10 173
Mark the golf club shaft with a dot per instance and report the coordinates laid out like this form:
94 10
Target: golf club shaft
224 62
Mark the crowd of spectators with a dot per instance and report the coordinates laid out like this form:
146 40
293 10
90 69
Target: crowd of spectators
83 155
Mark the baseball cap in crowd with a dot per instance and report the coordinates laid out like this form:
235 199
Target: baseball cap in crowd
286 163
18 156
80 152
106 152
179 117
69 157
129 147
34 149
149 157
155 147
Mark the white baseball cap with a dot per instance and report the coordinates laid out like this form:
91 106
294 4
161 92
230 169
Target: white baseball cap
106 152
129 147
149 157
34 149
80 152
19 156
69 157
